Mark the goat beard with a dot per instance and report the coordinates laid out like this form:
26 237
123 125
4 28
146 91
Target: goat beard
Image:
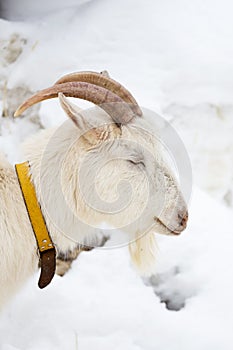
143 251
143 248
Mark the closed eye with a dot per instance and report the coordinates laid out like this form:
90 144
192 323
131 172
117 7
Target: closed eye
136 162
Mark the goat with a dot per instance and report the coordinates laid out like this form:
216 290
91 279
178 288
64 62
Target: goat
89 154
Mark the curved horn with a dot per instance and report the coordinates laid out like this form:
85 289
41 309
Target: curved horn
106 82
108 101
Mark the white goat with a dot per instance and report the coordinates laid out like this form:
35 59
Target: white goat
90 154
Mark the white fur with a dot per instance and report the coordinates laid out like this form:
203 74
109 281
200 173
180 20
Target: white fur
58 157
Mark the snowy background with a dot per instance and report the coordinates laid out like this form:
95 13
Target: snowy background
176 57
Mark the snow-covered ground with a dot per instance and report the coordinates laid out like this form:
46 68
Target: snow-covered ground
103 304
176 58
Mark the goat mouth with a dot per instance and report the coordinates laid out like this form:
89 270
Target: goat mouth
166 229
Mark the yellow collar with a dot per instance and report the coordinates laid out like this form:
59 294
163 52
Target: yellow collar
45 245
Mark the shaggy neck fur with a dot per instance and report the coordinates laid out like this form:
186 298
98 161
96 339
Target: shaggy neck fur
18 249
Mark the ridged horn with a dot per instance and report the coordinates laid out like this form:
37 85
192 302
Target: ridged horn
102 79
117 108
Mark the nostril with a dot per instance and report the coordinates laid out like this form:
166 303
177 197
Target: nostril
183 222
183 219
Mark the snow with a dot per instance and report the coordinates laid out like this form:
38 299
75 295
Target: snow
176 58
104 304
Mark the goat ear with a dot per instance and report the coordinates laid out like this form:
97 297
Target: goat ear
92 134
73 112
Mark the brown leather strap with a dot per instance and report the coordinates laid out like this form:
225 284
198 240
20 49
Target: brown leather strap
48 267
45 245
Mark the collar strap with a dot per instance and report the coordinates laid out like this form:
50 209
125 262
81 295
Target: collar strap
45 245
